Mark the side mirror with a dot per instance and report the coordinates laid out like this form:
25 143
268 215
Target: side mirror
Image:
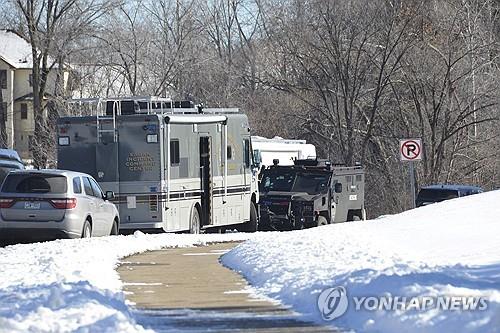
110 195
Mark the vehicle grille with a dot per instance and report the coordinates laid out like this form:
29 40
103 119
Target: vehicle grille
279 209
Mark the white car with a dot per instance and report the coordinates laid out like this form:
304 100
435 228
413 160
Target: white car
40 205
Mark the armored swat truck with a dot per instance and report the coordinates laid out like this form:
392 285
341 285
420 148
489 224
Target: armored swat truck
310 193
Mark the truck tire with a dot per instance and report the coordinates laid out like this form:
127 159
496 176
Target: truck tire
354 215
321 221
253 224
194 224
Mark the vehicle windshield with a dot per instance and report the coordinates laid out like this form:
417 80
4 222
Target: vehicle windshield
312 183
435 195
34 183
280 182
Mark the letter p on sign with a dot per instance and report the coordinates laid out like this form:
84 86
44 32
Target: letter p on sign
410 149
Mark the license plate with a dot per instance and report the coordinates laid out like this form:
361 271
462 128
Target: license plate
31 205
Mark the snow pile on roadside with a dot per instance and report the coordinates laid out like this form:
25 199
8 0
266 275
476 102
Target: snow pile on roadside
72 285
446 249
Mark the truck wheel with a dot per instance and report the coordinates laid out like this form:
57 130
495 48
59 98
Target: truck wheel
354 215
253 225
194 225
321 221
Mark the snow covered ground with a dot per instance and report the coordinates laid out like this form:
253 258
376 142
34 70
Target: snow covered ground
72 285
446 249
451 248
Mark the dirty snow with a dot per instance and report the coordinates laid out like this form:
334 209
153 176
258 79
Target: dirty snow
445 249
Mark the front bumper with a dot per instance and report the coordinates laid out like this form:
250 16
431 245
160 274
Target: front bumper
271 221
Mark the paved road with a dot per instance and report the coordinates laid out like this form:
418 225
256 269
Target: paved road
188 290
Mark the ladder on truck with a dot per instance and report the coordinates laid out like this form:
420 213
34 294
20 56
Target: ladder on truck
102 118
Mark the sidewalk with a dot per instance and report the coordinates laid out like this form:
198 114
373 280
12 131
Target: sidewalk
187 289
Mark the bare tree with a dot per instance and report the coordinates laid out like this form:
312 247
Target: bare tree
51 25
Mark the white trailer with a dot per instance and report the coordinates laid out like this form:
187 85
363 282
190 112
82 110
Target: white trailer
286 151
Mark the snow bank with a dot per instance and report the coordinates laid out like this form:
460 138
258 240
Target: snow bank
450 248
72 285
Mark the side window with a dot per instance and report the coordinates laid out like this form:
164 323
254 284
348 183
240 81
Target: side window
174 152
246 151
77 185
96 189
87 186
338 188
24 111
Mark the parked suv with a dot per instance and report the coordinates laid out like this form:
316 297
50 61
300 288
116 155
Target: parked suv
437 193
50 204
9 160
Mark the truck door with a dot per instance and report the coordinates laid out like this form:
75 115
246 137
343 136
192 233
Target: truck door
335 203
206 180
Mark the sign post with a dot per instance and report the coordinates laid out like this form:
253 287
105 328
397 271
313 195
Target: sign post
410 150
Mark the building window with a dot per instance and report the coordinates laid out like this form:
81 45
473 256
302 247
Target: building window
3 79
174 152
229 152
3 112
30 79
24 111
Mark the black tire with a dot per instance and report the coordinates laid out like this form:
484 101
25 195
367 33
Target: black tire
195 223
114 228
354 215
87 229
321 221
253 224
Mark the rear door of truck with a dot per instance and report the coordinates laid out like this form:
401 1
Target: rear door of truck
140 170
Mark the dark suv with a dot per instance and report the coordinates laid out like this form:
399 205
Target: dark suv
310 193
437 193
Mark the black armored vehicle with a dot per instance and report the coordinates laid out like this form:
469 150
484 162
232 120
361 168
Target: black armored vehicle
310 193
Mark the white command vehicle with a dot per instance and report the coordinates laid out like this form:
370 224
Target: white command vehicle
284 150
173 166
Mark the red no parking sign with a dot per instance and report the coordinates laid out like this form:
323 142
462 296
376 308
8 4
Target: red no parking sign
410 149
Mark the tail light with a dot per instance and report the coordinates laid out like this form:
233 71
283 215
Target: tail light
68 203
6 203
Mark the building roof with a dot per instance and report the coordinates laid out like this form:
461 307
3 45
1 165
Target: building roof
15 50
